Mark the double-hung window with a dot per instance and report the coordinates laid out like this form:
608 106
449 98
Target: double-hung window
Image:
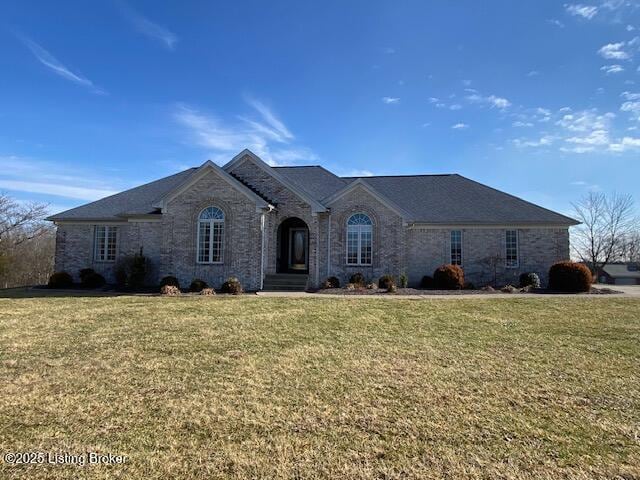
104 245
456 247
511 253
359 239
210 235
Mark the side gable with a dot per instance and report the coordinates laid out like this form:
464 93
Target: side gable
239 160
199 173
361 183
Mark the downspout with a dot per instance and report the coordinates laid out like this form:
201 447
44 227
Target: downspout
261 250
329 245
317 266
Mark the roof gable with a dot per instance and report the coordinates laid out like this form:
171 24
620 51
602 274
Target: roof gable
248 155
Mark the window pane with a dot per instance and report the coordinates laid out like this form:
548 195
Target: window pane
365 247
456 247
100 243
359 219
511 248
204 241
111 244
352 245
216 243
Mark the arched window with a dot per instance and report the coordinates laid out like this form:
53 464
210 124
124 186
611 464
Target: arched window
210 235
359 239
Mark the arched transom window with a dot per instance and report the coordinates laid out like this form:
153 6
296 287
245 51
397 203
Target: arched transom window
210 235
359 239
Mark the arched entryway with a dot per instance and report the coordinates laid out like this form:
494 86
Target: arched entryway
293 246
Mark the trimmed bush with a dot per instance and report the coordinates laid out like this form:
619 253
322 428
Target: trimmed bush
392 288
448 277
207 291
386 281
232 286
529 279
357 279
350 286
60 280
427 282
331 282
371 286
198 285
570 277
170 290
131 271
85 272
93 280
403 280
169 280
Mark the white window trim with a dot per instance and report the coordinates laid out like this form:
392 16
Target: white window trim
107 228
211 221
517 264
359 247
461 247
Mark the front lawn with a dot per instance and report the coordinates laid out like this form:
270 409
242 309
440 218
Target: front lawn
248 387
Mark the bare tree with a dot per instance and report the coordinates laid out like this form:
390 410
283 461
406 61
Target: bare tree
629 249
605 222
26 243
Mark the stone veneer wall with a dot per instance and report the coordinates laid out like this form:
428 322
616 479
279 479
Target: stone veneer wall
539 248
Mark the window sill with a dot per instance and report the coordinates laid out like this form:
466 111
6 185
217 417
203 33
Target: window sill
210 263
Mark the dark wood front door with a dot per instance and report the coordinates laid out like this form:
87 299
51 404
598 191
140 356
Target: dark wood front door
298 243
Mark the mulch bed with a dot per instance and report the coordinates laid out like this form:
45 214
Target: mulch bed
416 291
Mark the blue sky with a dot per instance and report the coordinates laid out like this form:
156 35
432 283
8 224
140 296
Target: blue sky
540 99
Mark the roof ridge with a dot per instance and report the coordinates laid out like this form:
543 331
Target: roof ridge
407 175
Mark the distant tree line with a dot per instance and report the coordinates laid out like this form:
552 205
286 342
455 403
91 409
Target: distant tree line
609 230
27 243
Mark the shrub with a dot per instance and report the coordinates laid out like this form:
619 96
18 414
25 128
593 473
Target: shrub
385 281
403 280
85 272
570 277
392 288
331 282
93 280
207 291
232 286
508 289
427 282
371 286
169 280
170 290
448 277
60 280
350 286
198 285
131 271
469 286
529 279
357 279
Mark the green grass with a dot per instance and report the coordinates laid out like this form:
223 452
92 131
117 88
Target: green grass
253 387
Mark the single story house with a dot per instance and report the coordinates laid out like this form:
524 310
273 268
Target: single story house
257 222
621 274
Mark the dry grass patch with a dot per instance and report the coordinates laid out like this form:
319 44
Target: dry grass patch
249 387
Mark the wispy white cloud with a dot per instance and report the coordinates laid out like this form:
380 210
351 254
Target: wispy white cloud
51 62
459 126
147 27
584 11
533 73
556 22
519 123
266 135
544 141
390 100
353 173
613 51
22 174
612 69
492 100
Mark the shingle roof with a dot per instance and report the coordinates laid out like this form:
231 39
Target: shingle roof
622 270
136 201
315 180
454 199
435 199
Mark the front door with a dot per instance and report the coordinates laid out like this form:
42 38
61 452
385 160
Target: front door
298 249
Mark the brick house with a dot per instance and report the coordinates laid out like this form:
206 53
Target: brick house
257 222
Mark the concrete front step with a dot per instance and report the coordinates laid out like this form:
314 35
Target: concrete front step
286 282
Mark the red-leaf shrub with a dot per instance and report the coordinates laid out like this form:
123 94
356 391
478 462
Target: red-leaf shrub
448 277
570 277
